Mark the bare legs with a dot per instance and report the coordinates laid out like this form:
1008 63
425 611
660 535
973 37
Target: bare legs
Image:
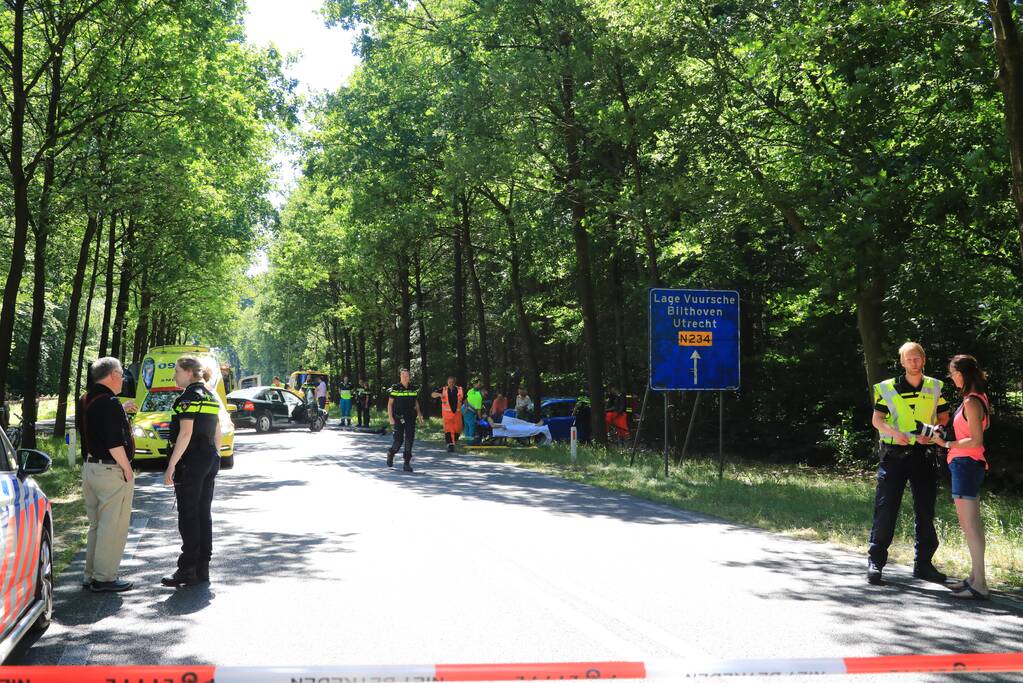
973 528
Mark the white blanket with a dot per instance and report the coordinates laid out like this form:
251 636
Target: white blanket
520 429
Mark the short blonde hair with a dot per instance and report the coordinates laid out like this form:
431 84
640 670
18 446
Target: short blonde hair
911 346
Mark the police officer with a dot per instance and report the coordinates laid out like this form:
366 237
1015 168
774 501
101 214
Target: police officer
402 412
193 467
363 400
902 406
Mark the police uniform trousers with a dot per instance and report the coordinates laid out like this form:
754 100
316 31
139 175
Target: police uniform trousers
901 464
404 433
194 477
362 407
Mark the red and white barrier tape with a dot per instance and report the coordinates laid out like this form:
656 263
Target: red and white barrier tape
674 669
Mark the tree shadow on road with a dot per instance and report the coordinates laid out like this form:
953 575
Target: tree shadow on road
903 616
439 473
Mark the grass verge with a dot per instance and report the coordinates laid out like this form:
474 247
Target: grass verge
820 504
63 486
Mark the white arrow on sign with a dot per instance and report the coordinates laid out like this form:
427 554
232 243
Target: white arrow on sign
696 367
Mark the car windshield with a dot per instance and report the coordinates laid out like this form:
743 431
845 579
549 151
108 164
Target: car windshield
252 392
160 401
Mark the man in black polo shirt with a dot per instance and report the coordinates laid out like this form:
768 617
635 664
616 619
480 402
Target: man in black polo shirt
108 483
402 411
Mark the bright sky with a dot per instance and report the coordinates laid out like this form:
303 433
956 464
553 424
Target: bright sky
324 60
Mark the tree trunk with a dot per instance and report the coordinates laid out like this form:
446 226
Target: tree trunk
19 182
584 281
618 308
424 369
362 355
71 327
349 355
477 291
527 342
870 323
108 299
121 310
632 150
80 367
458 304
379 349
41 228
142 328
33 356
404 339
1009 52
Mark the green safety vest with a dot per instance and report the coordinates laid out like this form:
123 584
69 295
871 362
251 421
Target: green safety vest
475 399
346 394
901 415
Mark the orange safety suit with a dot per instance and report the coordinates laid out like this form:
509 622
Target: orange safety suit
452 414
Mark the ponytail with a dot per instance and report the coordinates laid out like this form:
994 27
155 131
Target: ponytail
974 379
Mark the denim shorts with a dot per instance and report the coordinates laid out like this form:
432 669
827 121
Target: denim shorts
967 476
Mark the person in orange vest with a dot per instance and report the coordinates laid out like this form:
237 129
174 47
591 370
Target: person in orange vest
451 408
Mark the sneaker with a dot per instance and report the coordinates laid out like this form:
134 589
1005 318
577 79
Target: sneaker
451 448
86 584
927 572
390 459
115 586
874 574
181 577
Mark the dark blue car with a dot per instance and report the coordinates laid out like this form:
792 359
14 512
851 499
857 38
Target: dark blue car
556 413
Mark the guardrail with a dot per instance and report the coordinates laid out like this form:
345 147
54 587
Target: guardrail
1004 662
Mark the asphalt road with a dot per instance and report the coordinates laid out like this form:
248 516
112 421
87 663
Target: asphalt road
325 556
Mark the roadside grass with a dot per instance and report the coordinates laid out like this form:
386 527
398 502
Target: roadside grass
819 504
63 486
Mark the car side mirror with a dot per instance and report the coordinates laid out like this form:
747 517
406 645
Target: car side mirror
32 462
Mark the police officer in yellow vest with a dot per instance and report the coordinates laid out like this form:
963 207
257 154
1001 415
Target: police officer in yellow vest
903 408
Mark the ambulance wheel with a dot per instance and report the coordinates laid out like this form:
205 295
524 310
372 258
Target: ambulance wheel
227 463
264 421
44 583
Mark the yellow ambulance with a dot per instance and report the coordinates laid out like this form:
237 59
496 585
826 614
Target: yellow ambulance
156 393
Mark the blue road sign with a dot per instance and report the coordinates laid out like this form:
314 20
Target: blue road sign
694 340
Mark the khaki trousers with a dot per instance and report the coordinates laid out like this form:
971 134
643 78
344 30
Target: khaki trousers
108 505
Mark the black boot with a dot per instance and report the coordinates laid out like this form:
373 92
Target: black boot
927 572
202 571
390 459
873 574
181 577
408 464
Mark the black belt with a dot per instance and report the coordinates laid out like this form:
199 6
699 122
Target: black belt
102 461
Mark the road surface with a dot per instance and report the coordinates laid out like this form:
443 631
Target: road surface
325 556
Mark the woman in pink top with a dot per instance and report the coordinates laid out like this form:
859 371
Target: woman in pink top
967 464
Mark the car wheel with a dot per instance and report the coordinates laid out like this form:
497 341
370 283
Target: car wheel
44 582
264 422
227 463
317 424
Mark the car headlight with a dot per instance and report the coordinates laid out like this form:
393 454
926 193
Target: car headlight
138 432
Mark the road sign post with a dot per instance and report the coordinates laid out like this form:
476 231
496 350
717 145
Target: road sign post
694 346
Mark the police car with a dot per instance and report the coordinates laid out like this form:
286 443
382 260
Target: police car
26 546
